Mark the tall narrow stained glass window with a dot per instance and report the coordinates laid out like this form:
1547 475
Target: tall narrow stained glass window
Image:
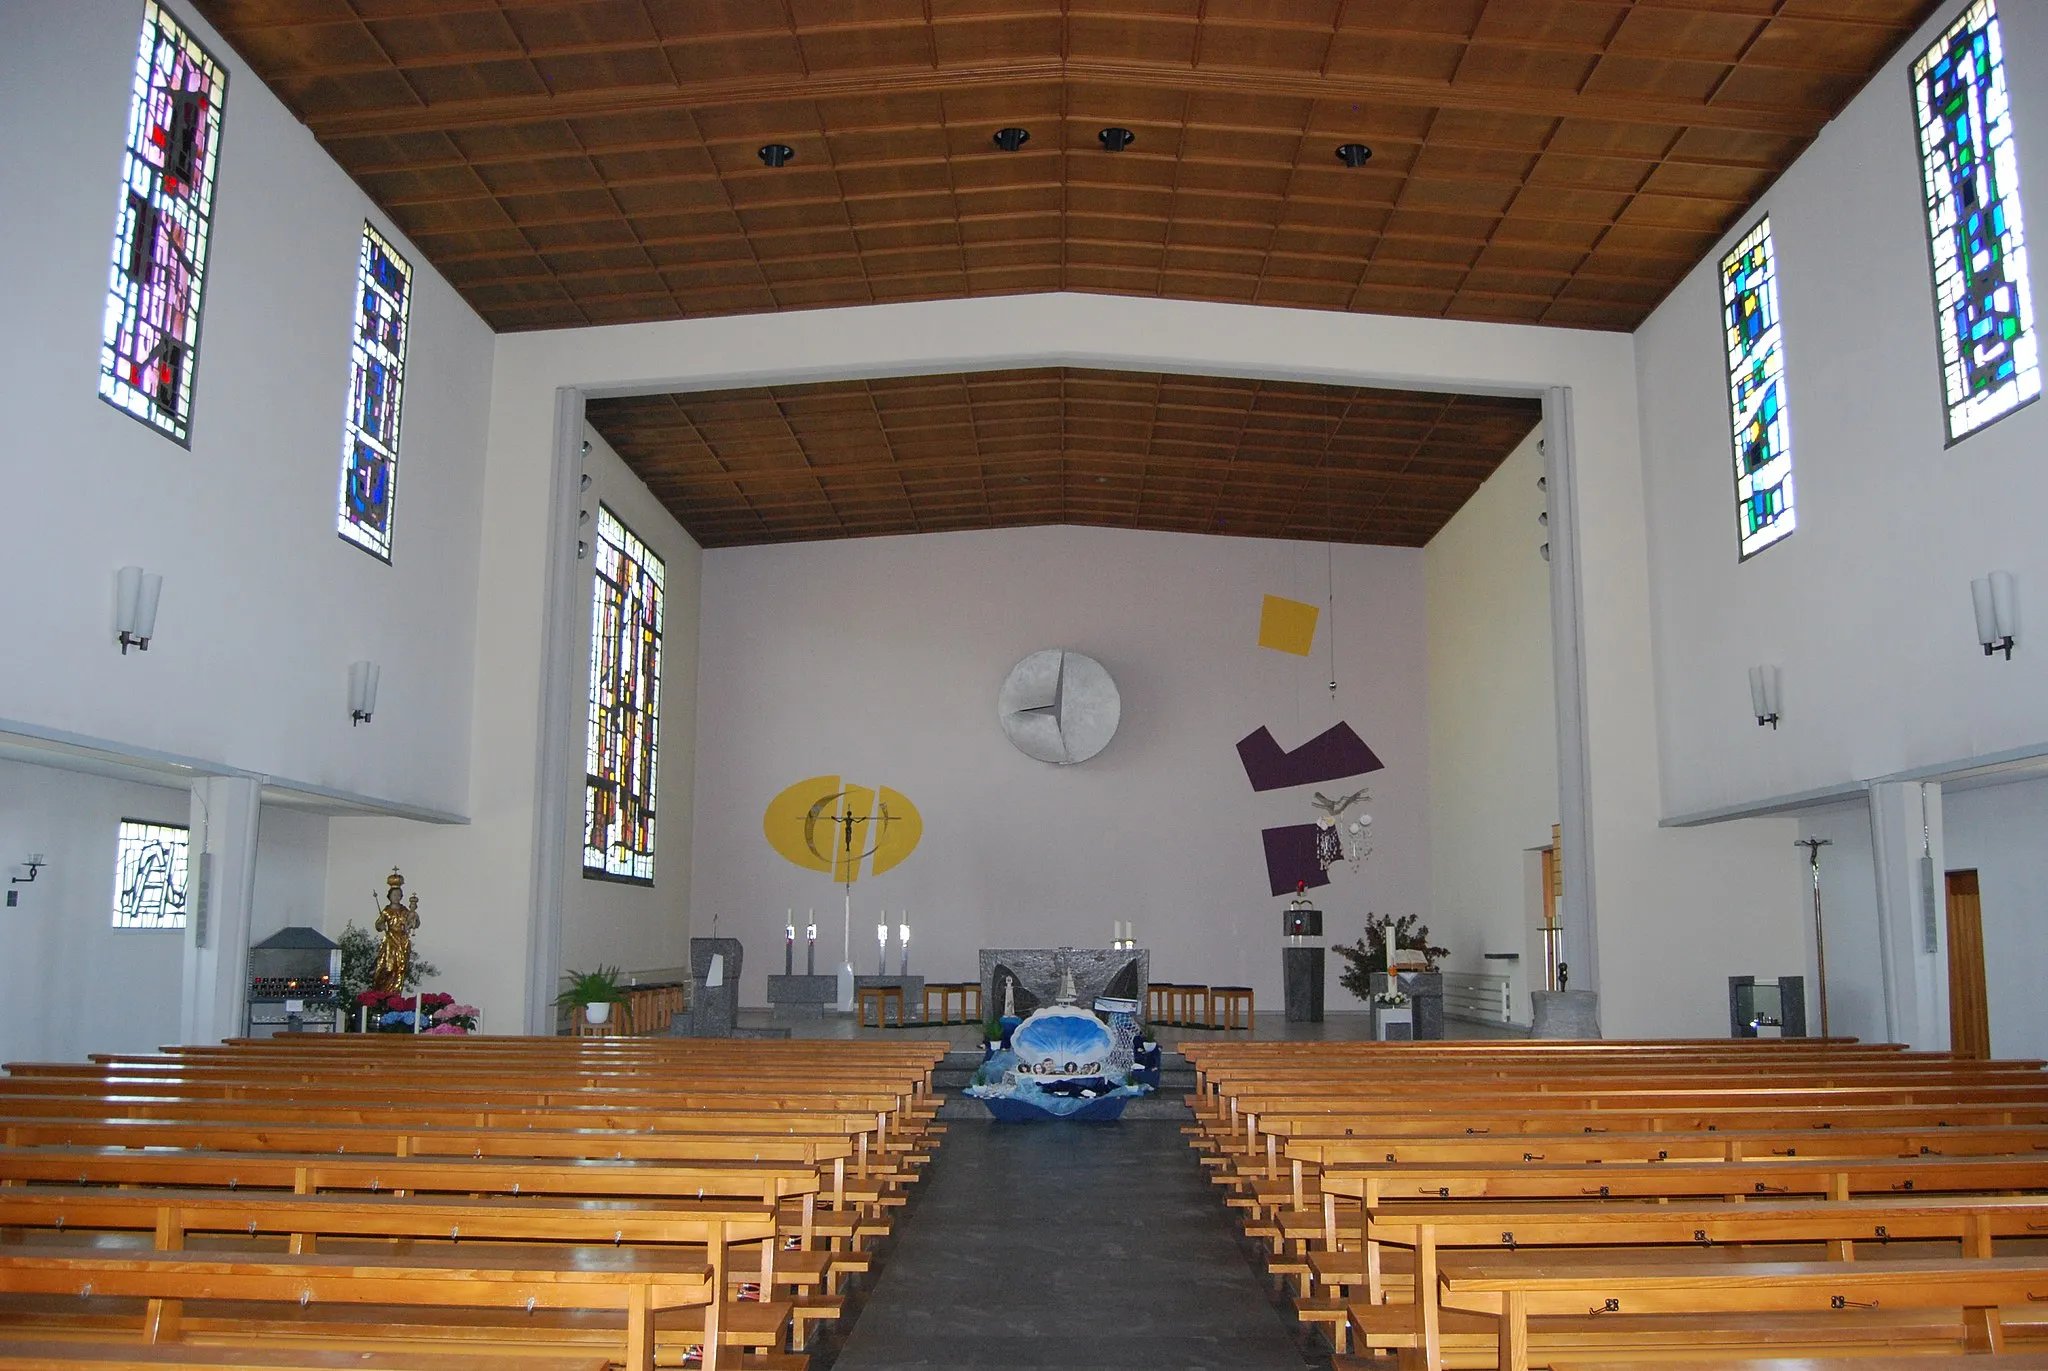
1756 392
1990 354
149 875
369 444
625 705
149 339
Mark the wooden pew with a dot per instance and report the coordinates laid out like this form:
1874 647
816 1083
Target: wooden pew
1513 1292
440 1228
75 1356
642 1285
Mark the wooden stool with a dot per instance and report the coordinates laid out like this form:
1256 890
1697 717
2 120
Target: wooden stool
945 992
1181 1002
1224 1003
880 996
970 1002
1158 1001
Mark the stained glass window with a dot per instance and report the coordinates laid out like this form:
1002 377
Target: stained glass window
149 875
369 445
1756 391
625 705
1990 354
149 340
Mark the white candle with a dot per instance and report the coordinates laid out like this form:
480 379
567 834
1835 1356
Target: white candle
811 925
903 929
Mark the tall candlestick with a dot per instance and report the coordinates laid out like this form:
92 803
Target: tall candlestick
903 934
811 943
882 943
789 942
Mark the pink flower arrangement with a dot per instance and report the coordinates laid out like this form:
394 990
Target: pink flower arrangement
390 1012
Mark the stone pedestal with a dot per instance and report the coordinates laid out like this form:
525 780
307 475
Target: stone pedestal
1564 1014
1302 971
714 1010
1425 992
1394 1023
913 993
801 997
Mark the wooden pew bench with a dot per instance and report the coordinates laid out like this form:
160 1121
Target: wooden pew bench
77 1356
642 1285
1631 1304
451 1228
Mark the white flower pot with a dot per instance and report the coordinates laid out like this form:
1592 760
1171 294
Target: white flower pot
597 1013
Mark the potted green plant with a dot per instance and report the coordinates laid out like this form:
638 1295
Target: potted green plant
595 991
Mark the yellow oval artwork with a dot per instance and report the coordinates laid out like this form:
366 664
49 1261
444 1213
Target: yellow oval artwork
831 825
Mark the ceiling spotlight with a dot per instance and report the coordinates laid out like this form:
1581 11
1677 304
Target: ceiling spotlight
1012 138
776 154
1116 139
1354 154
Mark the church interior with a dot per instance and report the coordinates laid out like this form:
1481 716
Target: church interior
760 594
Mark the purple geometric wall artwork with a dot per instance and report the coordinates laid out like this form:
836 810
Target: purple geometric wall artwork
1331 755
1291 858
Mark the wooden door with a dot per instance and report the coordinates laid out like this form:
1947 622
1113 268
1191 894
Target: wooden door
1969 1012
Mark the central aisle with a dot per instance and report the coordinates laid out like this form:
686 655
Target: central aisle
1068 1245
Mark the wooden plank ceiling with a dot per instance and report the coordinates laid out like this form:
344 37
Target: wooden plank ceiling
570 162
1192 454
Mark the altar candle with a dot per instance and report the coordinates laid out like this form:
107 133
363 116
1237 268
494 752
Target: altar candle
811 927
1390 949
882 928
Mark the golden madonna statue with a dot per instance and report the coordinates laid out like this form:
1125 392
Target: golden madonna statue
396 922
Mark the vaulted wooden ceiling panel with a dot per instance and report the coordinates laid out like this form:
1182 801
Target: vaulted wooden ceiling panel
1050 445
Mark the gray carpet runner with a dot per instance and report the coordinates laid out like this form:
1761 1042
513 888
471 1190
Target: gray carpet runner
1073 1246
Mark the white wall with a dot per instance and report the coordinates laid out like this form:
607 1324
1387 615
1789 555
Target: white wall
263 606
1665 898
608 922
1867 606
70 982
1492 721
879 659
1849 913
2002 833
291 872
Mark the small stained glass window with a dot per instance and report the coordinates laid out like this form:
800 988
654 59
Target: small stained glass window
149 875
1990 354
625 705
369 445
1756 392
149 338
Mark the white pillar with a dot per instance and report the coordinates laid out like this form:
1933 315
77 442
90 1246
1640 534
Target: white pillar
225 810
1912 916
1580 914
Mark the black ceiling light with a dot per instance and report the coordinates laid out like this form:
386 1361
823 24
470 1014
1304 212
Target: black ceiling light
1354 154
776 154
1116 139
1012 138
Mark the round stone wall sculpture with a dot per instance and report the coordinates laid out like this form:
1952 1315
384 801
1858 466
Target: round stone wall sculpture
1059 707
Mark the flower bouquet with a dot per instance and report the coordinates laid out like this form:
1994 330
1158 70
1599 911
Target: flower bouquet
428 1012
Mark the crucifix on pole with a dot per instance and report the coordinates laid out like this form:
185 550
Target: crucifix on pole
1820 941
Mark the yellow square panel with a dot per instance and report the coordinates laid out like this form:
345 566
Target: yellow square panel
1288 625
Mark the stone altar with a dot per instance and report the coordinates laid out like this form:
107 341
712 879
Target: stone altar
1038 972
801 997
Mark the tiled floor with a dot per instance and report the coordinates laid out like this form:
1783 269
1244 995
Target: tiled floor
1070 1246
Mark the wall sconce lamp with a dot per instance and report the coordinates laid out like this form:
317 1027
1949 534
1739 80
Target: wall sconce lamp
362 691
34 864
135 595
1764 684
1997 612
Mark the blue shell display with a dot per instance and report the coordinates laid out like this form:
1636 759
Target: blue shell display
1062 1042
